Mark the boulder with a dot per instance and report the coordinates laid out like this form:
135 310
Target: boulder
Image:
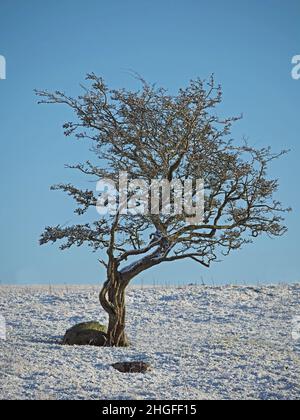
86 333
90 325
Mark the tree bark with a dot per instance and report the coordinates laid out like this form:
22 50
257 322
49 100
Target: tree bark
112 299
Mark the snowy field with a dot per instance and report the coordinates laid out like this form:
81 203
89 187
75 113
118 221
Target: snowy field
203 343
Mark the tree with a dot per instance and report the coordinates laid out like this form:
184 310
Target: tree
152 134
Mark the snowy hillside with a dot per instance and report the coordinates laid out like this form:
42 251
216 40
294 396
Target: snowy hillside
203 343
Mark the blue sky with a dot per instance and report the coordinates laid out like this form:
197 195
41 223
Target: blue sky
248 45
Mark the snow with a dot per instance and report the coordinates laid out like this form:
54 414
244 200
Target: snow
228 342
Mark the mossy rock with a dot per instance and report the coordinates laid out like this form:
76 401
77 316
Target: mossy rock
86 333
90 325
85 338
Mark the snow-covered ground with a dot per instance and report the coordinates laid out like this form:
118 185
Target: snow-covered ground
203 343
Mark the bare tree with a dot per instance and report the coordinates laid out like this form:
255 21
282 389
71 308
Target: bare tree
151 134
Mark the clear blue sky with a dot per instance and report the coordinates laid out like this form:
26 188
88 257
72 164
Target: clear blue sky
52 44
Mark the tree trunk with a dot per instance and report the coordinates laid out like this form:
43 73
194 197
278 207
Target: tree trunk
112 299
116 325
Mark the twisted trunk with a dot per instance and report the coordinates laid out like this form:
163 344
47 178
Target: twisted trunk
112 296
112 299
116 325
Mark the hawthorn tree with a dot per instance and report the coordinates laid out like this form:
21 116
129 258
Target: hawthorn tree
151 134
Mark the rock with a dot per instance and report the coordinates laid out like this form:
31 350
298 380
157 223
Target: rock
132 367
87 333
90 325
85 338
